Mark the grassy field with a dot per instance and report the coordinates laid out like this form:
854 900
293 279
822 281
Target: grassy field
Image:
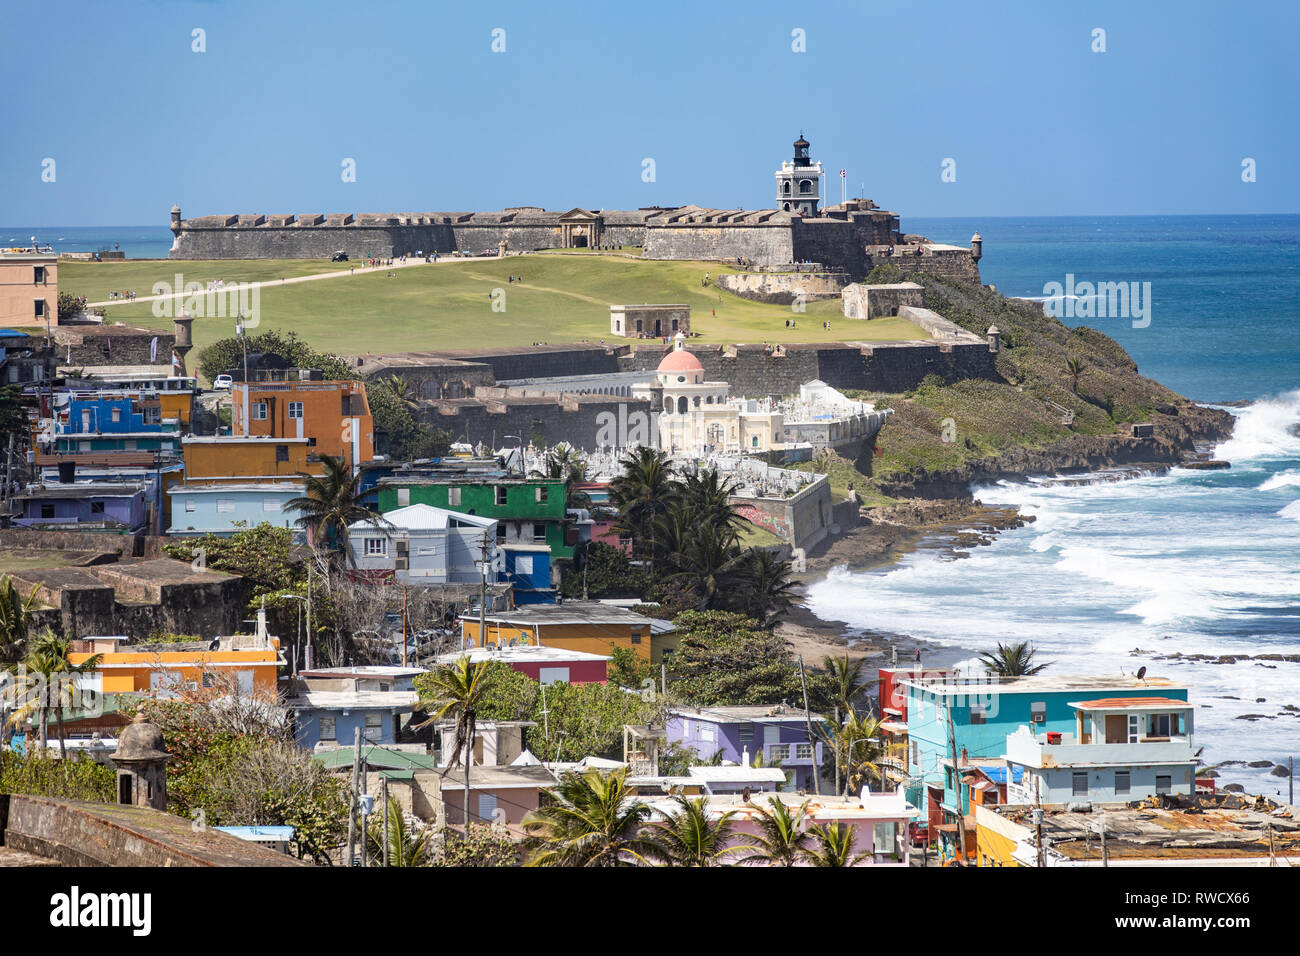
449 304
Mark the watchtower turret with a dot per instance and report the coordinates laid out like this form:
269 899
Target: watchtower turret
799 182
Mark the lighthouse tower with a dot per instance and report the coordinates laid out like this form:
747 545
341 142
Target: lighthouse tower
799 182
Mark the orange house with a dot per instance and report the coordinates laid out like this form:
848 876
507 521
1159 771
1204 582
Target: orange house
333 417
233 460
572 626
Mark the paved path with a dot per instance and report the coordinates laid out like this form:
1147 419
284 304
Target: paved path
233 286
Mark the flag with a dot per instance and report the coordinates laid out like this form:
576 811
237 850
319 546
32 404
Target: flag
842 174
153 350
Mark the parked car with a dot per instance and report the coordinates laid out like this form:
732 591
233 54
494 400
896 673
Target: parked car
339 257
919 833
222 383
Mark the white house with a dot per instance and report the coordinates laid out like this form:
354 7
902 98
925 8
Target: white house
421 544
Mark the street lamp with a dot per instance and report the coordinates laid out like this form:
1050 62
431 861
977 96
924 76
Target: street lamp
297 648
849 760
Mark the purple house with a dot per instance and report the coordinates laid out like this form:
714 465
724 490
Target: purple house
84 504
777 732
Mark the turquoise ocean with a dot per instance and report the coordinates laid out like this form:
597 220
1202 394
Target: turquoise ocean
1115 574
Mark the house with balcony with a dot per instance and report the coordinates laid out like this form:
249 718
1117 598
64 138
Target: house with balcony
106 428
949 716
333 417
84 505
1120 750
742 733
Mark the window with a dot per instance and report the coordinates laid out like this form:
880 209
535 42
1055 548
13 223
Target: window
524 564
636 638
117 414
259 411
374 726
189 505
746 733
542 495
209 679
1163 783
977 713
295 409
487 806
778 752
47 510
1158 725
376 547
38 275
453 496
1038 712
40 308
403 497
539 532
97 507
803 751
1123 782
152 415
270 504
553 675
500 494
281 452
1079 787
327 728
225 505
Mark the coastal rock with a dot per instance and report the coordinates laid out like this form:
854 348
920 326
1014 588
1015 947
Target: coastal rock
1279 771
1234 788
1260 763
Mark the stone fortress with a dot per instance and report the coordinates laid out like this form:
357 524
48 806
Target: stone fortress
849 238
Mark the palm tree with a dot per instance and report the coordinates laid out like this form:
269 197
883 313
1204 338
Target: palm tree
691 837
768 588
858 748
564 463
1012 660
708 498
641 493
47 681
591 819
781 838
15 610
846 676
401 389
406 847
458 692
709 563
834 845
1074 366
331 503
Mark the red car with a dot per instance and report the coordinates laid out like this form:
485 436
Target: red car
919 834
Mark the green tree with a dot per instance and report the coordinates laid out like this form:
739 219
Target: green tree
591 819
627 669
228 353
709 563
642 493
857 747
565 463
331 503
692 836
15 617
781 839
406 846
1074 366
45 680
833 845
457 692
766 590
1012 660
480 845
706 496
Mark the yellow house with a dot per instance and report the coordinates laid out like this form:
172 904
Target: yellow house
574 625
249 662
996 838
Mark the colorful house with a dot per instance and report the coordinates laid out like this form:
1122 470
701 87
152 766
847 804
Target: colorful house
574 625
233 460
741 733
947 717
547 665
333 417
421 544
103 427
223 509
328 718
84 504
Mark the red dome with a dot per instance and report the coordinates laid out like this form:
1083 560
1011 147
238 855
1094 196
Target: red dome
680 360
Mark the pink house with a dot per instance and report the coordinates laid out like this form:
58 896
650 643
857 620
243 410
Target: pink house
543 664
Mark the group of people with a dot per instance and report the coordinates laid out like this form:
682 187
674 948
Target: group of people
216 285
515 278
122 294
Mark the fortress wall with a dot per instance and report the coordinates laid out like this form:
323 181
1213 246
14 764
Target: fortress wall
958 265
548 363
309 242
834 243
780 288
760 244
584 424
521 237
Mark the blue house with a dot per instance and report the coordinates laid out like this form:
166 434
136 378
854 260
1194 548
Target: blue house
92 423
955 719
111 506
528 569
778 733
325 718
225 509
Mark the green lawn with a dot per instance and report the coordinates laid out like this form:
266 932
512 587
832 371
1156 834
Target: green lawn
449 304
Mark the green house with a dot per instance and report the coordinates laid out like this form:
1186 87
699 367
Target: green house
529 511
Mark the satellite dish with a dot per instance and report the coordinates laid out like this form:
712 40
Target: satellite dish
1142 672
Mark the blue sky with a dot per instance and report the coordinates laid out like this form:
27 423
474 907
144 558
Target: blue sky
1037 123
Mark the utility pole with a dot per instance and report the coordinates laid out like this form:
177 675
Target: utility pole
482 609
807 718
356 784
366 806
1036 815
1290 781
546 726
956 779
1105 858
307 655
384 788
403 664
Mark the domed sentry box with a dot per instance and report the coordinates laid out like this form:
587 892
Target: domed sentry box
141 765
